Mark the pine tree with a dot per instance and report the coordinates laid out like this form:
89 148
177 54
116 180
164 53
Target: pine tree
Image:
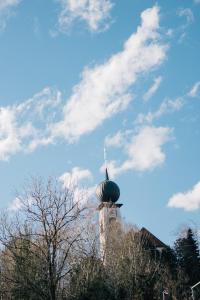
187 252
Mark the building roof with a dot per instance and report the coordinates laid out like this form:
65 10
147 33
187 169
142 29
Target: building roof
151 239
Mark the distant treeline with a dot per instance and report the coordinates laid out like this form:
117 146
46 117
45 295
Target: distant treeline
49 250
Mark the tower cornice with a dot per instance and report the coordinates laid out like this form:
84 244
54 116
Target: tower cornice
109 205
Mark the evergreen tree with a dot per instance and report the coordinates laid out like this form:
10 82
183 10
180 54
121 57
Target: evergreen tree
187 252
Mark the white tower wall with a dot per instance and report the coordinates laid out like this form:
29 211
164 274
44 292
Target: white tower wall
108 212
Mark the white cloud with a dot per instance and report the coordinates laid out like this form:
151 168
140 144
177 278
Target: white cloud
187 13
167 106
24 127
4 4
79 180
196 1
96 13
9 138
15 205
151 91
144 150
19 203
105 89
116 140
194 90
6 7
189 17
189 200
76 176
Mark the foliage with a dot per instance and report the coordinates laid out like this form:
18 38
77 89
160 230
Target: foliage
49 251
187 252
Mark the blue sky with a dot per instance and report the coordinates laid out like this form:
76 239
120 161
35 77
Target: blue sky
78 75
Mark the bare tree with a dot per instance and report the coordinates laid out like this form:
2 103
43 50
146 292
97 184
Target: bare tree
133 269
48 225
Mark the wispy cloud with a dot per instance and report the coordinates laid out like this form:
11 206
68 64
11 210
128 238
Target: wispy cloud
15 205
116 141
6 4
24 127
194 90
143 149
189 17
75 176
187 13
167 106
77 180
80 181
105 89
189 200
96 13
152 90
6 9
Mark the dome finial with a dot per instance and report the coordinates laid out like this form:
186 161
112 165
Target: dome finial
105 162
107 177
107 190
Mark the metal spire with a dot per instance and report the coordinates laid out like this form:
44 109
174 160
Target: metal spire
107 177
105 163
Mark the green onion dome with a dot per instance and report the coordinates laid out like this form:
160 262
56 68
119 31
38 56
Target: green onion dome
107 190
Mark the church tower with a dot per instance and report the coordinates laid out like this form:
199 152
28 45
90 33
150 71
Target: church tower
108 193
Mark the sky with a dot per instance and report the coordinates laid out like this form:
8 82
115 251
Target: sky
81 78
